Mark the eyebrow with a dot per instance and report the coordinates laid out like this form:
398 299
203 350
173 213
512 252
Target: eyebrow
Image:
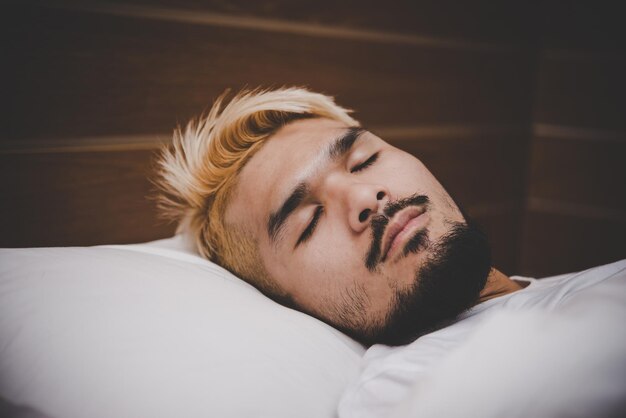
337 149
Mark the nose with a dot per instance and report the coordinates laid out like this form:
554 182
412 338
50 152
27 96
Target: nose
362 202
359 201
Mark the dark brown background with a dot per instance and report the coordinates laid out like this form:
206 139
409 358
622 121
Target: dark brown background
517 107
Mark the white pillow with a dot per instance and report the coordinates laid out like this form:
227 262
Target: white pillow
153 330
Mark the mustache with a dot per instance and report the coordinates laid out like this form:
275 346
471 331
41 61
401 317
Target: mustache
379 225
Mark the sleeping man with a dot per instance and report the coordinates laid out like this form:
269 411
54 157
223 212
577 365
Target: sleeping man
286 190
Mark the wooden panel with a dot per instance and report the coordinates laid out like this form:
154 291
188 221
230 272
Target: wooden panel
557 243
81 74
593 26
581 172
477 20
504 233
576 205
582 91
77 199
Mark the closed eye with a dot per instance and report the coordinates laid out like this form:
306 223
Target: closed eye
371 160
308 232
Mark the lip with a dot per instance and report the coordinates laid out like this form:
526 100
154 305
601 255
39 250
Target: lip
401 227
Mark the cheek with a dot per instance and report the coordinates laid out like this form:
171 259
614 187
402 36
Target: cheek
340 264
320 272
331 260
302 274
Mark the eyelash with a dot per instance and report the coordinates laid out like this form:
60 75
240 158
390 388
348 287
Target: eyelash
311 227
308 232
371 160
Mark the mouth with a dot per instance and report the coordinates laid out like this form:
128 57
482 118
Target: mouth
401 227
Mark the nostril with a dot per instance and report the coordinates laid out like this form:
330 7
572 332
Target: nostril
380 195
364 215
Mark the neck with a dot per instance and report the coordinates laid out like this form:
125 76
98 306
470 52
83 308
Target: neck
498 284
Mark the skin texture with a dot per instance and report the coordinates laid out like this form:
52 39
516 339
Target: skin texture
327 275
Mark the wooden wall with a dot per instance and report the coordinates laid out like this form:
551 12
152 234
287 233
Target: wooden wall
93 88
576 205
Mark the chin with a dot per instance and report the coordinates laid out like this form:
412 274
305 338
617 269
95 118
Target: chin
445 284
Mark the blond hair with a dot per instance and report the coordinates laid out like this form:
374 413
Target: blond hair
198 172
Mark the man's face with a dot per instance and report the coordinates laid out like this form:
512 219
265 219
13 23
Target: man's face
358 233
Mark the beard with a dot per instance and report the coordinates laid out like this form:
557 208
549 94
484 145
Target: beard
446 285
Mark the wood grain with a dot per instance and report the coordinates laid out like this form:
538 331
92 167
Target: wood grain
581 90
558 243
576 208
504 234
482 21
581 26
77 74
67 199
579 172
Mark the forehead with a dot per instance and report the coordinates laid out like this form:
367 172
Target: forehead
281 162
